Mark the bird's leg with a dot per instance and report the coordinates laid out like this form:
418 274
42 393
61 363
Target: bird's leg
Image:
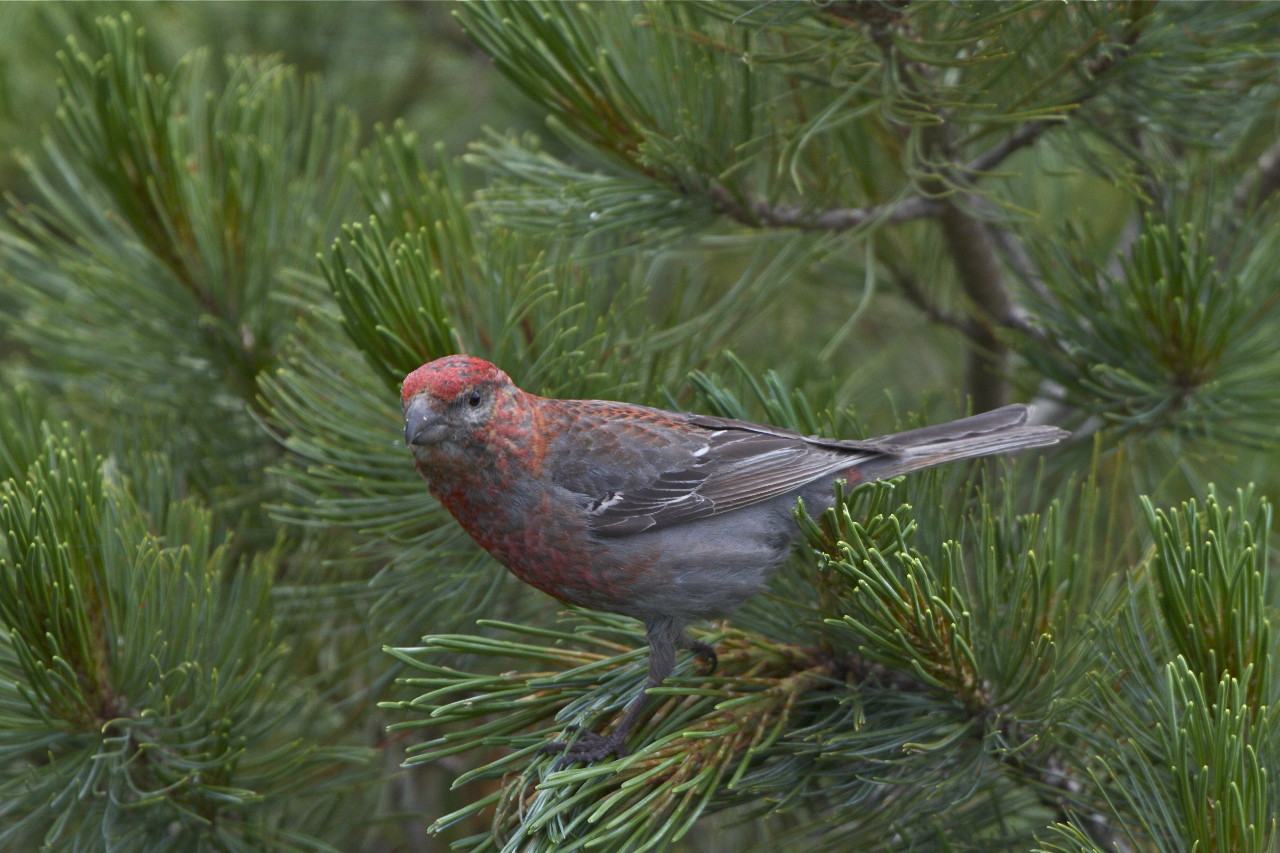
665 635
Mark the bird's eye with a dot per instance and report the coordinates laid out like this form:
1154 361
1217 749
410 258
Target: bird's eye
474 399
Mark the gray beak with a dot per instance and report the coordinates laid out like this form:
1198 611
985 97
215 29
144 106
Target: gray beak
421 423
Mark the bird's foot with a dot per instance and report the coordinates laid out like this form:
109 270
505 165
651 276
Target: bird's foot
588 748
706 653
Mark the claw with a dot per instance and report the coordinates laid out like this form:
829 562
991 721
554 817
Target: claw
705 652
588 748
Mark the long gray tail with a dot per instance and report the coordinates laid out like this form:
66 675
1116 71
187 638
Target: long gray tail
997 431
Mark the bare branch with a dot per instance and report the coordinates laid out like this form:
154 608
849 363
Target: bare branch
971 240
1019 260
758 212
1020 138
916 296
978 270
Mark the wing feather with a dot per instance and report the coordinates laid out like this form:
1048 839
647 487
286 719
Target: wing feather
666 468
735 468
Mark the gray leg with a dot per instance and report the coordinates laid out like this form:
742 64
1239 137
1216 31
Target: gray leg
665 635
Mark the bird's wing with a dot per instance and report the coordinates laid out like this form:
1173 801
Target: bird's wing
725 465
638 468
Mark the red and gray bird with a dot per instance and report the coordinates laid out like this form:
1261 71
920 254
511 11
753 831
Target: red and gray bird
663 516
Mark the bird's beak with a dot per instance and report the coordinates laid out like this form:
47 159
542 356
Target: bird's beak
422 424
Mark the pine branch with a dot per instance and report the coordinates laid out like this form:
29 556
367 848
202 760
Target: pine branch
1170 742
153 263
981 277
914 294
144 680
969 242
691 742
757 212
1172 344
1210 566
1025 135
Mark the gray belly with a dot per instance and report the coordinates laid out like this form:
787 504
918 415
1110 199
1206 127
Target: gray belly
707 568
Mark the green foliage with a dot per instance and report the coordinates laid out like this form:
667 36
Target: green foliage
190 196
780 103
1181 726
146 702
1211 570
968 674
434 280
622 109
21 413
701 746
1181 341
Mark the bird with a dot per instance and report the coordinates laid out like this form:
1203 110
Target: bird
663 516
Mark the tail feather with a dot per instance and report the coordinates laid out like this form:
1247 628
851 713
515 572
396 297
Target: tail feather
998 431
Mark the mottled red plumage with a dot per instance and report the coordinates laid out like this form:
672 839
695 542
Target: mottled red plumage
664 516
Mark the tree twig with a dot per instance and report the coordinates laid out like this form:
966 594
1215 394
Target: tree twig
757 212
971 241
1018 260
980 275
916 296
996 154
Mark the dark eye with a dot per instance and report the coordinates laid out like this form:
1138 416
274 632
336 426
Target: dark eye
474 399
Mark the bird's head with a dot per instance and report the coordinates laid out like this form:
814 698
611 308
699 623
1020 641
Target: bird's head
451 401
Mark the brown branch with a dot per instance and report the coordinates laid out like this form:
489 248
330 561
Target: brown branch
757 212
916 296
944 196
879 18
980 276
1018 260
996 154
968 242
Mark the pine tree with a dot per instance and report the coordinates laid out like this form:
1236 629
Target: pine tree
231 608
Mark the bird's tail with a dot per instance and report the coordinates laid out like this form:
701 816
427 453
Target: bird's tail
997 431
